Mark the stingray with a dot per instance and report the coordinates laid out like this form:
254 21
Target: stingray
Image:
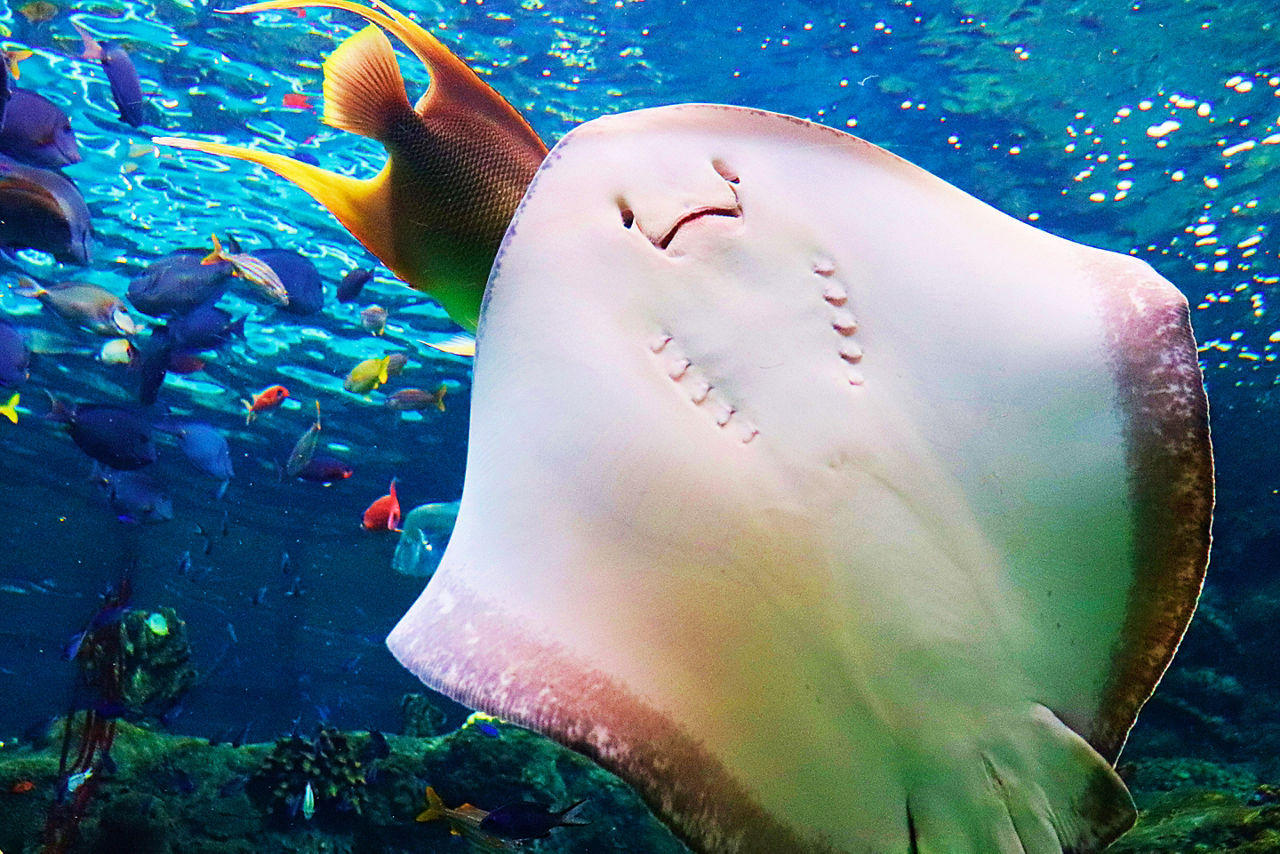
831 508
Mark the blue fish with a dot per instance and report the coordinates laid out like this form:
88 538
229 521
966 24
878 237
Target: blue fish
135 496
36 131
153 365
352 283
116 437
126 88
15 358
301 279
325 469
178 283
42 209
525 820
205 327
205 447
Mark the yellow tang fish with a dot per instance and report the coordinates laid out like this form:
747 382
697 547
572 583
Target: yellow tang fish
458 161
10 411
368 375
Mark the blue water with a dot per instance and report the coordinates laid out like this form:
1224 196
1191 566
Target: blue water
1062 116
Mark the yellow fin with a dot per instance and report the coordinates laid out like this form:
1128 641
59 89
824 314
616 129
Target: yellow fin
452 80
217 254
10 409
362 206
13 57
435 807
363 88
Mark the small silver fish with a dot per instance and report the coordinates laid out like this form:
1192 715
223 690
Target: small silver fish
78 779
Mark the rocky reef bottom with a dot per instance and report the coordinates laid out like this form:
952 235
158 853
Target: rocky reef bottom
166 794
339 792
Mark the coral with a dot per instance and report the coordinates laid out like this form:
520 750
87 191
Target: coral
1204 820
330 763
154 661
170 793
422 717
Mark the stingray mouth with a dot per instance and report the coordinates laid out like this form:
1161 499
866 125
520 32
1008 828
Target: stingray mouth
693 216
652 223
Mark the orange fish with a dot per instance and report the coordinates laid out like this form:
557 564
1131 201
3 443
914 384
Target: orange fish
22 787
264 401
293 99
384 514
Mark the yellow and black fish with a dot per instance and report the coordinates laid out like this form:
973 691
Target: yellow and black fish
458 161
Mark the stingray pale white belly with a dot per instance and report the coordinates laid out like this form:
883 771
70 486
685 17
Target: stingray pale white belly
830 507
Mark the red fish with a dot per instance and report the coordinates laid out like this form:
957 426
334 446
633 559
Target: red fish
293 99
384 514
265 401
22 787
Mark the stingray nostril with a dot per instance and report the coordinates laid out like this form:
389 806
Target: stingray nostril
727 173
628 215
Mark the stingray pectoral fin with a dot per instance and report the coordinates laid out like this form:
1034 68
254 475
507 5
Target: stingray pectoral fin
360 205
1033 785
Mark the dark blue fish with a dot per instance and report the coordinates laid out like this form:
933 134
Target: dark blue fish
116 437
525 820
352 283
136 497
206 327
15 358
325 469
42 209
109 615
232 786
105 617
110 708
153 364
6 88
172 713
126 88
178 283
72 649
301 279
243 737
204 446
375 748
37 132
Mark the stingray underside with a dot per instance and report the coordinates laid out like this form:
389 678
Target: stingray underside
828 506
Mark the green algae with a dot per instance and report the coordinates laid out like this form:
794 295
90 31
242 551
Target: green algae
173 793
